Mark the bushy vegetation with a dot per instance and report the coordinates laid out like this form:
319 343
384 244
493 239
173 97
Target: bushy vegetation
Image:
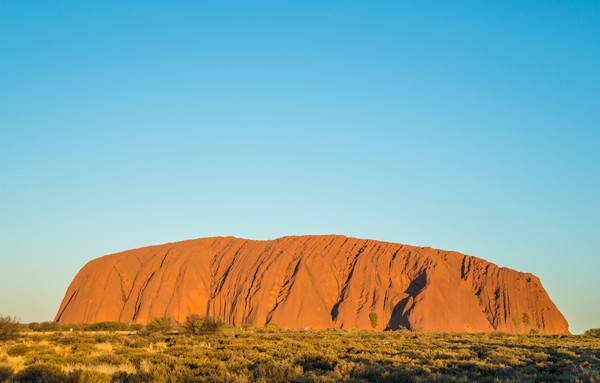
46 373
197 325
205 350
113 326
18 349
44 326
6 373
593 332
373 318
160 325
9 327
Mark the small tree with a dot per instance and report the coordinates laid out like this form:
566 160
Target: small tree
526 319
9 327
160 324
193 323
197 324
373 318
212 325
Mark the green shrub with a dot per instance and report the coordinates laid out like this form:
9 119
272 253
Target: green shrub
137 342
160 325
33 326
247 327
373 318
89 376
135 357
72 339
196 324
83 348
44 326
272 327
593 333
70 327
193 323
112 326
168 373
108 337
124 377
9 327
585 374
316 361
272 371
374 372
18 349
48 356
41 373
6 372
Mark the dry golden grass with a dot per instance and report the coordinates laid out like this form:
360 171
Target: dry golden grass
247 354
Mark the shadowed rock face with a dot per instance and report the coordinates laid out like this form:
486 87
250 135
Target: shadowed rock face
310 281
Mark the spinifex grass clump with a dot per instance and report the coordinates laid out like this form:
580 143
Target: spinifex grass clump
190 352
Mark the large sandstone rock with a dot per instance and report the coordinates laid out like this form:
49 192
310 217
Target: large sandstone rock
310 281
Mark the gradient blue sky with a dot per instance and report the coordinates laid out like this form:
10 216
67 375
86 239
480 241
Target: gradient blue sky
467 125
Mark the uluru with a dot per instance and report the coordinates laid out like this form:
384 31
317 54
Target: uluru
316 282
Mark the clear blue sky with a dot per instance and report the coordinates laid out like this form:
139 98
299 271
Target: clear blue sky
467 125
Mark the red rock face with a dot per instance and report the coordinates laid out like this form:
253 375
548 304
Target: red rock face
310 281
